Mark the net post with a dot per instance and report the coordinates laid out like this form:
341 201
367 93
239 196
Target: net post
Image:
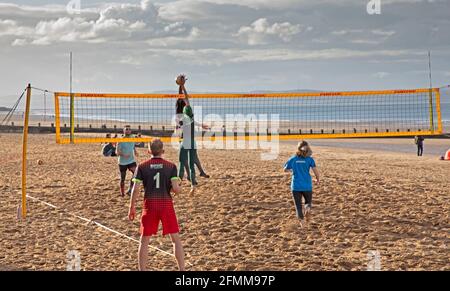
24 152
72 118
431 111
438 110
57 120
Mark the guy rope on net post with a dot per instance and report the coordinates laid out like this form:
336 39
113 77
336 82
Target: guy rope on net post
24 153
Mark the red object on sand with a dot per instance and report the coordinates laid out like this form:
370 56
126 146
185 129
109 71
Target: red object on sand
447 155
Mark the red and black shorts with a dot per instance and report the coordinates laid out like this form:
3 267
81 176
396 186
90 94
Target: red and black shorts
156 210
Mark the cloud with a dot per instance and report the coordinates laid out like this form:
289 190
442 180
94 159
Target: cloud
114 22
261 29
219 57
331 40
381 75
10 27
347 32
383 33
19 42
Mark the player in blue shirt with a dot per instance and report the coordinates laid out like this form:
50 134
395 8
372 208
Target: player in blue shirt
301 184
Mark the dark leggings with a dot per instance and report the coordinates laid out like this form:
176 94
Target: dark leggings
196 162
297 195
419 150
187 157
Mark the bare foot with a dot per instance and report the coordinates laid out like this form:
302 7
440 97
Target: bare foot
307 213
192 191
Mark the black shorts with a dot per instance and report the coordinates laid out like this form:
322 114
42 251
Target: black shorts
124 168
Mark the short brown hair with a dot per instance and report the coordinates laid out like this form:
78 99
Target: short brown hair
156 147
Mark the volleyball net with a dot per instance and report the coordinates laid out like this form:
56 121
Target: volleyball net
96 118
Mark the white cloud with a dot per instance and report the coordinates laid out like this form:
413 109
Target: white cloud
383 32
220 56
259 30
177 27
10 27
365 41
19 42
138 22
381 75
129 60
346 32
322 37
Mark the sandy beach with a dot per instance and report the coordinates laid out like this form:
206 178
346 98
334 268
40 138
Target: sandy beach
371 198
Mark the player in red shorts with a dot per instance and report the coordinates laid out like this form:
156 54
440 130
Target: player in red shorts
160 178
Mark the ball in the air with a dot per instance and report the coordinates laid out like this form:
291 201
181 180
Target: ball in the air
180 79
40 162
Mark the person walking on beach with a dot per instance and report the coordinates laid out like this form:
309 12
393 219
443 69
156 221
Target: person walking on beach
159 178
301 184
419 142
188 147
127 159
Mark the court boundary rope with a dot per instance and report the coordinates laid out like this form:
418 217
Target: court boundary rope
89 221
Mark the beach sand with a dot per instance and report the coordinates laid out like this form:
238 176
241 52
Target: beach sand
243 218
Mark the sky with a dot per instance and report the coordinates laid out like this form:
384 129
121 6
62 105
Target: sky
223 46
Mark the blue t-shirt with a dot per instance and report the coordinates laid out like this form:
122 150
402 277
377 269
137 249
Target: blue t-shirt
126 148
301 179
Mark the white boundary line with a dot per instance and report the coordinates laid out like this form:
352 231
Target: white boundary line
102 226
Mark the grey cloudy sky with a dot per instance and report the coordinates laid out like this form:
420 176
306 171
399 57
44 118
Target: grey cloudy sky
235 45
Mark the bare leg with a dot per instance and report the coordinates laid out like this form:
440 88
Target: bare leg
132 170
178 250
123 175
143 253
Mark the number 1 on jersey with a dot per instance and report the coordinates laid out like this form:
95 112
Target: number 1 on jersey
157 178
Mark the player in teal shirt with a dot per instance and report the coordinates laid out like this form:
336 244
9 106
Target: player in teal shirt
127 153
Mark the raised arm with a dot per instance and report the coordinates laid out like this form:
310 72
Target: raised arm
186 95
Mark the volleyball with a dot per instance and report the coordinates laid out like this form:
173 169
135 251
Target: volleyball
180 80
